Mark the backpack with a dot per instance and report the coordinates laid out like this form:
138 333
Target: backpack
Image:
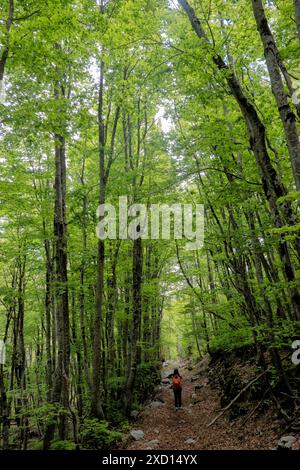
176 381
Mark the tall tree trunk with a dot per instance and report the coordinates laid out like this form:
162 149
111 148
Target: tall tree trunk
61 333
78 367
5 46
82 271
136 320
61 280
48 311
126 322
148 305
297 16
287 115
110 316
5 403
19 353
96 396
4 410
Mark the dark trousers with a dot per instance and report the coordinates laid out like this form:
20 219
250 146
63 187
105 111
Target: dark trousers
177 396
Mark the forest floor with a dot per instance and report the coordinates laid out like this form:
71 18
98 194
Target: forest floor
167 429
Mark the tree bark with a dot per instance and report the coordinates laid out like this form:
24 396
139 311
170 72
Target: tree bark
48 311
5 47
82 271
96 405
60 389
5 402
297 16
287 115
137 269
110 316
19 354
104 171
61 279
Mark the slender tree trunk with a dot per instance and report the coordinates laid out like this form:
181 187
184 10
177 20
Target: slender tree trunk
126 331
195 329
110 317
6 45
48 311
5 404
82 270
61 334
136 320
78 367
61 279
19 352
96 396
148 305
297 16
19 333
83 327
287 115
4 411
61 381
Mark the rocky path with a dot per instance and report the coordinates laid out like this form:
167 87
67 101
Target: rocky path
165 428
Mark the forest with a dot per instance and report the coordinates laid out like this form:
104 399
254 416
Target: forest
193 103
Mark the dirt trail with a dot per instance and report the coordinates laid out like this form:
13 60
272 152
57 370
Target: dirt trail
187 429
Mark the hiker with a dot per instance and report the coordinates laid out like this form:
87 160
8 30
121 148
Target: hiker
177 388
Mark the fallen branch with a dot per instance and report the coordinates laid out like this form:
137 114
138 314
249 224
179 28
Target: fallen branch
290 396
254 409
242 391
280 409
238 396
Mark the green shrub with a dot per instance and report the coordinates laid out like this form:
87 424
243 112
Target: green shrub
147 378
96 435
48 413
62 445
125 427
114 412
35 445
